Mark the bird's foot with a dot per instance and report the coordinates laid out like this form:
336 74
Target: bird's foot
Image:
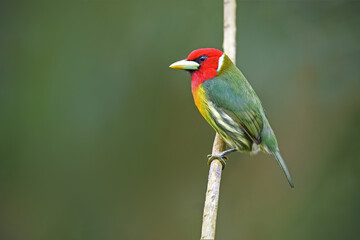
221 157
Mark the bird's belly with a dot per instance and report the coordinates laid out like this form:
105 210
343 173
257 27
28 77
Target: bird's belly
229 130
234 139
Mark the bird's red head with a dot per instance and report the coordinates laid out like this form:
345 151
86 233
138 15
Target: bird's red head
202 63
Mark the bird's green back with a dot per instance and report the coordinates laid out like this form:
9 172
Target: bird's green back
232 93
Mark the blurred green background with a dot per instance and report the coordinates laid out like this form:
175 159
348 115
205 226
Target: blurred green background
101 140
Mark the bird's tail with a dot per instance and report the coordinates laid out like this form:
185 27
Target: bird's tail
282 164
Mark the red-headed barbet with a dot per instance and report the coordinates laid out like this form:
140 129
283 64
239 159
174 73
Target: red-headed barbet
230 105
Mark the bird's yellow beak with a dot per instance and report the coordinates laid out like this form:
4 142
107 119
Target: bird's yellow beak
185 65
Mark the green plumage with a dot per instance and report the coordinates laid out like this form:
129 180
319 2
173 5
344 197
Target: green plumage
237 114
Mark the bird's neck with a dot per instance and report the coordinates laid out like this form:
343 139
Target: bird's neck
200 76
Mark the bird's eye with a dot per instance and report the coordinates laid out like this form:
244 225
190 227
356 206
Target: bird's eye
202 59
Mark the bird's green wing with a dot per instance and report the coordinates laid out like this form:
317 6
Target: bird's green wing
231 93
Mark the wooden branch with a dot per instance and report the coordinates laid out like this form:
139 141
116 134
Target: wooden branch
213 187
229 44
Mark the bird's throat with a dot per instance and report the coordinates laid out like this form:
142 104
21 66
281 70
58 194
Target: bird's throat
200 76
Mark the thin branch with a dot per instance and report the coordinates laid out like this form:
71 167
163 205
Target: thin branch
229 43
213 187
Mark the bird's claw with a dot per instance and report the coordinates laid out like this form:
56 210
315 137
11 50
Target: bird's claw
220 157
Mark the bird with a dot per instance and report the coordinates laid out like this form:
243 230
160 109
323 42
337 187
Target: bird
230 105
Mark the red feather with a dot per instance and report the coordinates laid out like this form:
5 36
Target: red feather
207 69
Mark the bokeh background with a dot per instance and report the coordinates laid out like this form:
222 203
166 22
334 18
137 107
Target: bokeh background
101 140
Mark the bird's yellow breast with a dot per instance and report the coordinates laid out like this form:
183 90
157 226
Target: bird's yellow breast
199 99
201 103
